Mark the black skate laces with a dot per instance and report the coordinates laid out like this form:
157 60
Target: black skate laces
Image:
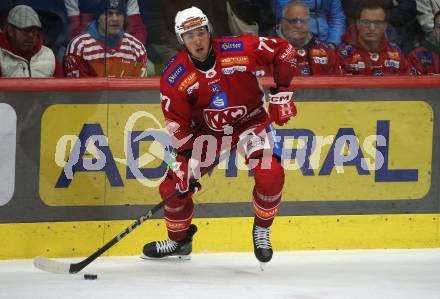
261 237
166 246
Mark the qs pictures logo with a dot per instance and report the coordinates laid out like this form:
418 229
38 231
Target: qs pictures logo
117 154
96 154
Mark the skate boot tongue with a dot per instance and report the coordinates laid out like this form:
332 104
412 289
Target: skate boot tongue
262 247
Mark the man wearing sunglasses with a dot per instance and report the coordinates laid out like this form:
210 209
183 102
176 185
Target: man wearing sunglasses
426 59
366 51
314 57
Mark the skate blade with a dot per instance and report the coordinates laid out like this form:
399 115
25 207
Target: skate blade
167 258
262 266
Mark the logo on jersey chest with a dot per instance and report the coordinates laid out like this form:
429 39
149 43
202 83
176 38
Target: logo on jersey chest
218 120
216 88
378 72
234 60
210 74
305 70
392 63
318 52
233 69
302 52
374 56
219 100
231 46
188 81
393 55
320 60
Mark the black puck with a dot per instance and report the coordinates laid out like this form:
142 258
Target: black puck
90 276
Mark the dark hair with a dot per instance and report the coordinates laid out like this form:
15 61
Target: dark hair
437 14
372 4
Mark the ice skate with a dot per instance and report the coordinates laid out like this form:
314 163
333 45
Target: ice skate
262 247
169 248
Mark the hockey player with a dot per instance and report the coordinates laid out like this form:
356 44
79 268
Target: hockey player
209 90
366 51
105 50
426 59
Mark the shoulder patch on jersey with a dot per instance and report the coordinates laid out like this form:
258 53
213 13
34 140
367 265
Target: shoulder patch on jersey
176 74
345 50
231 46
425 56
169 64
422 53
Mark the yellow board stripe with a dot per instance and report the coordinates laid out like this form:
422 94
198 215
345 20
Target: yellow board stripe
75 239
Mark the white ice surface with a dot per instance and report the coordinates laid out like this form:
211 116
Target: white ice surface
355 274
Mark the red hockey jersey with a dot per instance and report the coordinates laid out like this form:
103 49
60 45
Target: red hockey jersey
426 62
227 97
355 60
314 59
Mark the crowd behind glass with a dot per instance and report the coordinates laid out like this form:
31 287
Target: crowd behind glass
136 38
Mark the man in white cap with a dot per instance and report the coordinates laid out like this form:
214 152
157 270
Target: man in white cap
22 53
209 92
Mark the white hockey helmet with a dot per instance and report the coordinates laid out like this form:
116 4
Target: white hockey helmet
189 19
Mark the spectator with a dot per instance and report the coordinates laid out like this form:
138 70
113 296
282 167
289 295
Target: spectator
403 28
327 19
426 60
366 51
314 57
105 49
53 19
426 10
81 13
22 53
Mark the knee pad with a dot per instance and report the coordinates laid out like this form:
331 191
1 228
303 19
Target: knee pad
269 176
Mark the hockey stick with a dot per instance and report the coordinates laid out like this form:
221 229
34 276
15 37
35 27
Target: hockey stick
50 265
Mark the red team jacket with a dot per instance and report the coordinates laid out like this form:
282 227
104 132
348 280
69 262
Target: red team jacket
315 59
357 61
426 62
226 96
88 57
